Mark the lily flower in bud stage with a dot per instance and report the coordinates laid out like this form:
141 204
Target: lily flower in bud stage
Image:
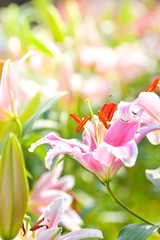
47 226
51 186
14 191
146 110
106 145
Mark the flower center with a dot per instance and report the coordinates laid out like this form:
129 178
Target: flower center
105 116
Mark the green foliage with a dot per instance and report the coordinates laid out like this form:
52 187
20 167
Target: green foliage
30 108
73 17
9 126
44 107
154 177
52 18
137 231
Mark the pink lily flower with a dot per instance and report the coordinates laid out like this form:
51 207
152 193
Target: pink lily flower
7 92
146 110
10 90
49 187
104 149
47 226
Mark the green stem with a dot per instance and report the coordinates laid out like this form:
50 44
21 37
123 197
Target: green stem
115 199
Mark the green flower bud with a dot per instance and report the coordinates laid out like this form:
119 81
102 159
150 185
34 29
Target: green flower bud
14 191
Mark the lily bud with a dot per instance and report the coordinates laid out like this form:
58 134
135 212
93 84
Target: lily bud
14 191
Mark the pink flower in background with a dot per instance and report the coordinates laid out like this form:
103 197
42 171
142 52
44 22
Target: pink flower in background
147 21
108 61
104 148
94 87
51 186
146 110
8 92
47 226
11 93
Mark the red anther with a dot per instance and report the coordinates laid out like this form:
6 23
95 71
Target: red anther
37 225
108 110
104 108
75 117
82 123
79 121
23 229
111 110
103 119
106 113
153 86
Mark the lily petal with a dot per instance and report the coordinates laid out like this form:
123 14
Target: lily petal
50 234
52 215
82 233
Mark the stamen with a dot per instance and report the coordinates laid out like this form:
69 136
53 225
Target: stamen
82 123
104 108
79 121
111 110
75 117
106 113
102 118
92 136
153 86
37 225
23 229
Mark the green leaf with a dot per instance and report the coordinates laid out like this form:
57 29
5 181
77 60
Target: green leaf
40 45
11 19
14 126
63 158
136 231
47 13
28 174
44 107
125 11
29 139
30 108
55 23
23 34
10 126
73 17
154 177
51 50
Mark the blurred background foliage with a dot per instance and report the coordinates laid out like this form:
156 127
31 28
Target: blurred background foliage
106 51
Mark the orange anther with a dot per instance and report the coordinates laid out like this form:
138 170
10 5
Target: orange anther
111 110
82 123
106 113
102 118
153 86
75 117
79 121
